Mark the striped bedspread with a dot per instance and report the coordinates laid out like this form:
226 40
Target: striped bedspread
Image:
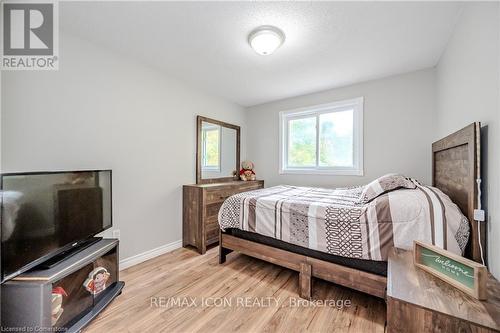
335 222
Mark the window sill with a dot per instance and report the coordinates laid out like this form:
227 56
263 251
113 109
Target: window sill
340 172
208 169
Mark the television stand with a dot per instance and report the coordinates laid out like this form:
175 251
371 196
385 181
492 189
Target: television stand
80 246
66 297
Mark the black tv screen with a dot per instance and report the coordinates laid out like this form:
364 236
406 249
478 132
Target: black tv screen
43 214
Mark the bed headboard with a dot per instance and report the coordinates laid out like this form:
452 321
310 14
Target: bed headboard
455 168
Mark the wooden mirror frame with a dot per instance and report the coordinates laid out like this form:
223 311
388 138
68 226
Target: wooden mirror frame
199 120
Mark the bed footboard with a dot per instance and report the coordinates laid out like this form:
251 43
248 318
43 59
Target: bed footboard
306 266
223 252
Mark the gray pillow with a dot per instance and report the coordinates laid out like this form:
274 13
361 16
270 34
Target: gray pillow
383 185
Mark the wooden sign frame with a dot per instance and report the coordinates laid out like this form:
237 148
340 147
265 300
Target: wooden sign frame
453 264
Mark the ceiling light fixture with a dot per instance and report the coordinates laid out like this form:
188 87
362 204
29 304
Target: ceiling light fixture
266 39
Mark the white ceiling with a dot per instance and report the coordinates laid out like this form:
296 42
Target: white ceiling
328 44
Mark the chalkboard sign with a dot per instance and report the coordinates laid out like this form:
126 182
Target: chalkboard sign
462 273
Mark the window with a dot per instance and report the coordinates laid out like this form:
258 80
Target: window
211 147
323 139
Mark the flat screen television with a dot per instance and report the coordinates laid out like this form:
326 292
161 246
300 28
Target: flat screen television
46 213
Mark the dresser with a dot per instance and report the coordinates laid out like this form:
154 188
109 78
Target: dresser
201 204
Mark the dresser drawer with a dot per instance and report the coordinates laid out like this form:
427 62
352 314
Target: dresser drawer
218 195
213 209
211 220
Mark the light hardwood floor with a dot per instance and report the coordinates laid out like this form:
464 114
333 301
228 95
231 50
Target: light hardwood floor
241 282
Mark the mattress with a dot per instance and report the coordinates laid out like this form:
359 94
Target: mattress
336 222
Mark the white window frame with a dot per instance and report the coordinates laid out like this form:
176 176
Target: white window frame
285 116
204 131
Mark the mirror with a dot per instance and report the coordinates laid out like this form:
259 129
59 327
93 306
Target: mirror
218 151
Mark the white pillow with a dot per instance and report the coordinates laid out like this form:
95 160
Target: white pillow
383 185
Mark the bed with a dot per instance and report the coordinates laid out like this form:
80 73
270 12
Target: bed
335 235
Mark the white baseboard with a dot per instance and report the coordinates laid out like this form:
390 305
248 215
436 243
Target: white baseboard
141 257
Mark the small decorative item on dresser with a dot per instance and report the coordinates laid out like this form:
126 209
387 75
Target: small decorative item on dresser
246 172
462 273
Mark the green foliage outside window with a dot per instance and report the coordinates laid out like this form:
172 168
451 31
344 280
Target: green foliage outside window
335 140
302 142
212 148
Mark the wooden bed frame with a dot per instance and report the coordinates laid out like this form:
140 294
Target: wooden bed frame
456 164
454 171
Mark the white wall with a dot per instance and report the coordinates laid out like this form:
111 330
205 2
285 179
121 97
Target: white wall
102 111
468 90
398 130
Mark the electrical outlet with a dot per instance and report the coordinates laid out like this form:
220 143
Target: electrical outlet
479 215
116 234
